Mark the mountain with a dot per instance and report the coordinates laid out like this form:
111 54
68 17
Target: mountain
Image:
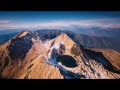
33 55
97 31
85 40
98 42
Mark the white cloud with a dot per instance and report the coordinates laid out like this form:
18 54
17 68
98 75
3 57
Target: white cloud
102 22
5 22
98 22
111 26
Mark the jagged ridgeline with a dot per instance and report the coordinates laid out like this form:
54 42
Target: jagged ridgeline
51 54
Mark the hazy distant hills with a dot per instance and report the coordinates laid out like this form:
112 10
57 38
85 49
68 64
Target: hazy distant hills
85 40
9 31
102 32
98 42
4 38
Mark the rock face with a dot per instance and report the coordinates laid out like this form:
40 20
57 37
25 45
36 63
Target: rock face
31 56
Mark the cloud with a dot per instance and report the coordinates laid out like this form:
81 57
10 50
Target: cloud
5 22
111 26
58 24
82 23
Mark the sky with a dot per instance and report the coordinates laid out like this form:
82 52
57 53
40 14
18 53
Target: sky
58 19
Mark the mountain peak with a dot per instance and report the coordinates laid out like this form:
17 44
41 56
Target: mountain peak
23 33
63 34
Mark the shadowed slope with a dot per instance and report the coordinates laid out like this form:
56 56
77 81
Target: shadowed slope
99 57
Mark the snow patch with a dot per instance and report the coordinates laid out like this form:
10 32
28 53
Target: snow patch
61 42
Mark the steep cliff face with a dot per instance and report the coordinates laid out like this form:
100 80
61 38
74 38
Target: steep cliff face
28 56
111 55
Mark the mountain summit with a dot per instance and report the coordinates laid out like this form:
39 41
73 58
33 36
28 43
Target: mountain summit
32 55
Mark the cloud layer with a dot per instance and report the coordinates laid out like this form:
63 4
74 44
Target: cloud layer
106 22
102 22
5 22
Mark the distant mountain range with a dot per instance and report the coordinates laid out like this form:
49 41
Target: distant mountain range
85 40
4 38
97 31
9 31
